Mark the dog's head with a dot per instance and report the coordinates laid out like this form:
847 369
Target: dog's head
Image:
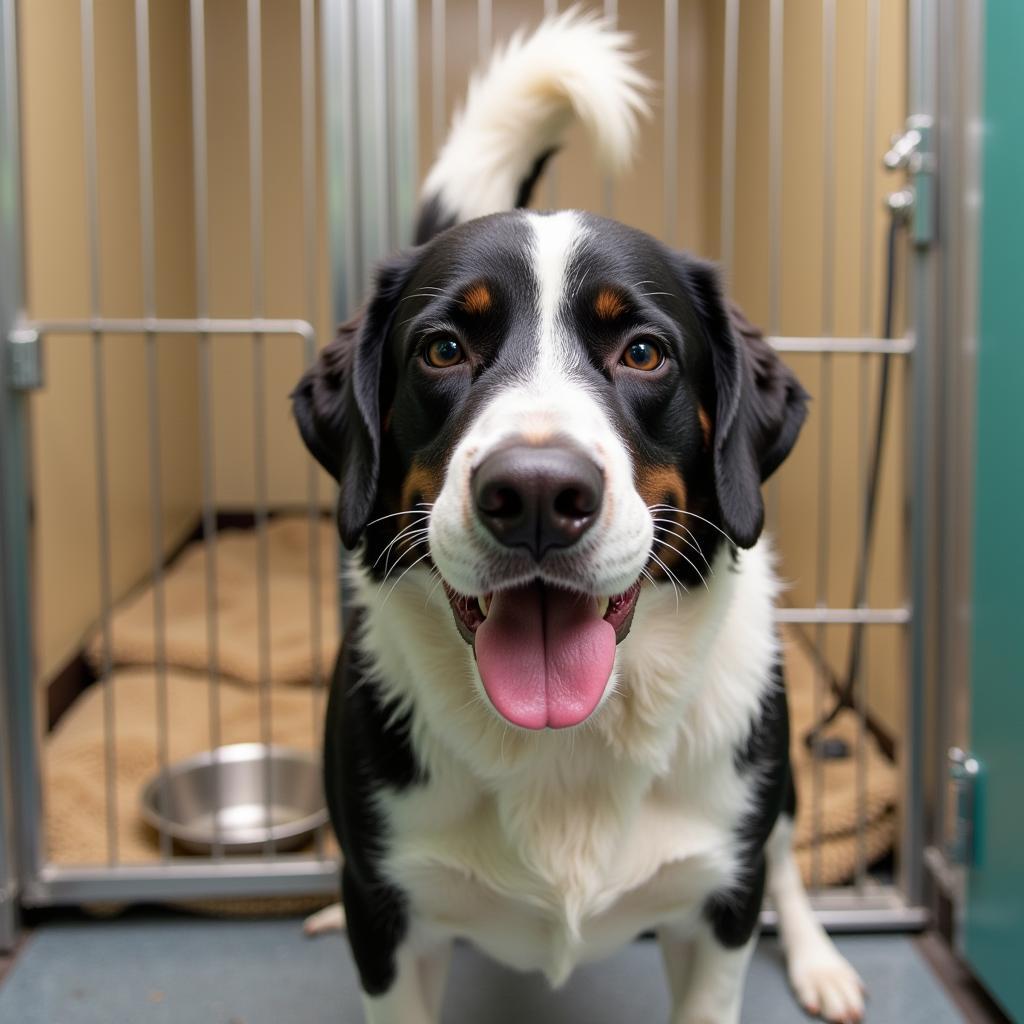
555 411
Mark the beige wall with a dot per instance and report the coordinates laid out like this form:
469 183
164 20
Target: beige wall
284 265
59 285
64 454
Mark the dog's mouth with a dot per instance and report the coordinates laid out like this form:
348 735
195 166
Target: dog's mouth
545 653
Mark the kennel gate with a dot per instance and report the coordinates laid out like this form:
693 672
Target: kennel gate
365 104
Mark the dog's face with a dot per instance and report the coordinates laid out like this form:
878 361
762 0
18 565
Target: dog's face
553 411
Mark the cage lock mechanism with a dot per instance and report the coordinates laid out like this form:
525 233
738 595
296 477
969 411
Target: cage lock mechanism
964 770
24 359
912 151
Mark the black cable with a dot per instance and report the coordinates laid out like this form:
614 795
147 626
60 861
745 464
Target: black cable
845 696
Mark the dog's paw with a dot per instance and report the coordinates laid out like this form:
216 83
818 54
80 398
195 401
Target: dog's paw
827 986
330 919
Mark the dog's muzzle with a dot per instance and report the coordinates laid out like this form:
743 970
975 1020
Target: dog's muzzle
545 651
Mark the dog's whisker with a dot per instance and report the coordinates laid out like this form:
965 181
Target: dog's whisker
410 530
391 515
426 292
672 547
693 515
405 547
672 578
413 530
686 538
426 554
398 561
433 589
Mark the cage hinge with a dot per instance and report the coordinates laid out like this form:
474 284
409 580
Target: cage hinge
912 151
964 770
25 359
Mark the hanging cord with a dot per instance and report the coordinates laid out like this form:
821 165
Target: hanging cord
844 690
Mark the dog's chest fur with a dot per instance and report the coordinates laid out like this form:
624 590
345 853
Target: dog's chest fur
549 849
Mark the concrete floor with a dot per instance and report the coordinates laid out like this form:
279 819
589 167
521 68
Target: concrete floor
181 969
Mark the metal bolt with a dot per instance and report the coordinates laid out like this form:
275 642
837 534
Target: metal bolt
901 203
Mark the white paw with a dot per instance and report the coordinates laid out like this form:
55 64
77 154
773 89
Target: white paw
330 919
827 986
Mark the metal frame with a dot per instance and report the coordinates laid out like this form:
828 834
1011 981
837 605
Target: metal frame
370 174
19 790
923 457
959 188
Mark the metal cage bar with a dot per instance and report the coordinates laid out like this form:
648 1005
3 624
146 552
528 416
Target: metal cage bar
823 505
144 102
670 130
868 213
197 44
925 556
19 781
730 92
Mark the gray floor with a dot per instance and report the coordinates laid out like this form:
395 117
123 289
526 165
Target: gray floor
265 972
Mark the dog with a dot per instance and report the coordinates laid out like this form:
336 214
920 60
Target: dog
558 719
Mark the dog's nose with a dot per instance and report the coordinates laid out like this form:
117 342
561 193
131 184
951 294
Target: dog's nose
538 498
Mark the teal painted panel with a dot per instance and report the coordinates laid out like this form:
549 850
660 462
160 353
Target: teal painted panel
995 911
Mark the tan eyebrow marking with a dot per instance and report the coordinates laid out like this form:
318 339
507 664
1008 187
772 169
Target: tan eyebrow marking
477 298
422 482
609 304
705 425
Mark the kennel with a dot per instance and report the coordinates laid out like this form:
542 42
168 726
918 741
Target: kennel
193 194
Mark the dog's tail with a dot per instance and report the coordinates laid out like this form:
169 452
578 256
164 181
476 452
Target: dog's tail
516 112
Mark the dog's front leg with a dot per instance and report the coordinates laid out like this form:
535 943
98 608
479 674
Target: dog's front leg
416 990
402 975
708 983
823 981
707 974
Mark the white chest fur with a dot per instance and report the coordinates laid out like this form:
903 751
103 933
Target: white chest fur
548 849
549 874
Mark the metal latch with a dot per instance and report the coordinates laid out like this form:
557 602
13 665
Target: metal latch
912 151
963 776
25 359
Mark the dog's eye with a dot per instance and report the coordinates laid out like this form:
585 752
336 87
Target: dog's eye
643 354
443 352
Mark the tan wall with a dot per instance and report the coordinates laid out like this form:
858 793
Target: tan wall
285 273
64 453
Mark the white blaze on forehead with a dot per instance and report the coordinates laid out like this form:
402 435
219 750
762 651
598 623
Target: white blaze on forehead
556 237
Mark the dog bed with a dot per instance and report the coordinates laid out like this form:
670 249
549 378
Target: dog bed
292 624
75 752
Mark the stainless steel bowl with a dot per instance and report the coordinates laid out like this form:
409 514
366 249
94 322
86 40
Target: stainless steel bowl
219 797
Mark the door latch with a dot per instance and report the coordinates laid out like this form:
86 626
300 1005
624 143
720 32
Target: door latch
912 151
25 359
964 770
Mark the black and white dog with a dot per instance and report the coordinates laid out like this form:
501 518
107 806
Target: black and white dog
559 717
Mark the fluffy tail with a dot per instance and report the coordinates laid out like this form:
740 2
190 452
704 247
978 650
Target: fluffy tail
574 65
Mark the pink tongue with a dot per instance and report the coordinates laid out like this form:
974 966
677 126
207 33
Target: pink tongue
544 655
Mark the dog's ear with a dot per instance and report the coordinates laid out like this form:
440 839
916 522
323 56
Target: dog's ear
759 405
337 403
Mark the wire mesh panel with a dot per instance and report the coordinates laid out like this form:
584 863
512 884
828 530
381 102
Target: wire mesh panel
209 187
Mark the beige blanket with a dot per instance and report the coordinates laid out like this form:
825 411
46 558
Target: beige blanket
294 615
